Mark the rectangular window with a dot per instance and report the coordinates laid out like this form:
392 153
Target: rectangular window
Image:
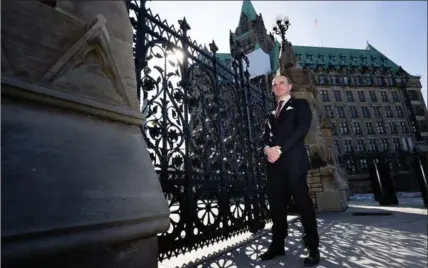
366 111
419 110
361 96
369 128
324 96
399 110
350 96
423 125
368 81
372 145
384 96
360 145
373 97
380 128
328 111
341 111
354 112
333 128
384 144
357 81
337 95
344 129
347 146
388 111
356 128
393 127
404 128
377 111
396 144
337 146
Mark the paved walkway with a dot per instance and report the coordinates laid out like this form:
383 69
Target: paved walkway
396 240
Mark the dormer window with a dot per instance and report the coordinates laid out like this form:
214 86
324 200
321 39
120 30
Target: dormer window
375 61
364 60
321 57
354 60
343 59
333 58
310 58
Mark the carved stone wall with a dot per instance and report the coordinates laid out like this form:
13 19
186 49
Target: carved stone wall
323 180
78 185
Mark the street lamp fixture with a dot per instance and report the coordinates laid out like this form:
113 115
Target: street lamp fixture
281 27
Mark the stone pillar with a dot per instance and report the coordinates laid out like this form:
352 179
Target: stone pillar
78 185
325 179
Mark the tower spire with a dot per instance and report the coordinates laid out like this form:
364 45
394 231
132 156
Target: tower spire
248 10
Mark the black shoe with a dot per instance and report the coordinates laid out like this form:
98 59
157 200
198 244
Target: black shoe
271 254
312 259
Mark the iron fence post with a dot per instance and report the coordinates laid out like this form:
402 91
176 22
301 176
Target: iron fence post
189 206
244 76
220 127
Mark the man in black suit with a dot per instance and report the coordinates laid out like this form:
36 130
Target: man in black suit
287 167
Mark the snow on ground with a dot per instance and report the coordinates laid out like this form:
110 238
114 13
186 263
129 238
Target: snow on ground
368 196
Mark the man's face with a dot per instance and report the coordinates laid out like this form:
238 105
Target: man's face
280 86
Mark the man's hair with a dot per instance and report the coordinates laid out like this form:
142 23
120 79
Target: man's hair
286 77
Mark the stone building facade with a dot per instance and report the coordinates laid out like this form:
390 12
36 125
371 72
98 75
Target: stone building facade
361 95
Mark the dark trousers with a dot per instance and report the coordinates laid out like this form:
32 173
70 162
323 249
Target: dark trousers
280 189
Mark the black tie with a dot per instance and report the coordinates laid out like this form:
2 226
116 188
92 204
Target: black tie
278 109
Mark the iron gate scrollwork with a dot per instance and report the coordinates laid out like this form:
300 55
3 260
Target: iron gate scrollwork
203 121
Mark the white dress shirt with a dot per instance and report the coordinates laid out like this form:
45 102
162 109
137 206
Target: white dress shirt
286 99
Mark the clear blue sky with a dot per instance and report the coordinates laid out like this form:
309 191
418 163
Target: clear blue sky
397 29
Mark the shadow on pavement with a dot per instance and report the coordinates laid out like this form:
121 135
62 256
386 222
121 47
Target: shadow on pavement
399 240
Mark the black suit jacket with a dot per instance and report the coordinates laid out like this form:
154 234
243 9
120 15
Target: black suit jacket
289 131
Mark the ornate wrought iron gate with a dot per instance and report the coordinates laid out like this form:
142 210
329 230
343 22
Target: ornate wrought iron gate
203 124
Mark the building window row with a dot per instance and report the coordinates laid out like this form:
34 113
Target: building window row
379 128
331 111
361 96
369 145
363 81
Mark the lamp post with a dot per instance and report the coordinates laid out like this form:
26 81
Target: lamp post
281 26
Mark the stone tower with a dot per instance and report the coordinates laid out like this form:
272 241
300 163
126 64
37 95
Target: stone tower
251 30
78 185
327 182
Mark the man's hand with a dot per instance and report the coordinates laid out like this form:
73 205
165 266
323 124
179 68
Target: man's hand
273 153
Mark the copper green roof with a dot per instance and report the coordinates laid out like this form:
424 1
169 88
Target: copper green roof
248 9
315 56
224 56
326 56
